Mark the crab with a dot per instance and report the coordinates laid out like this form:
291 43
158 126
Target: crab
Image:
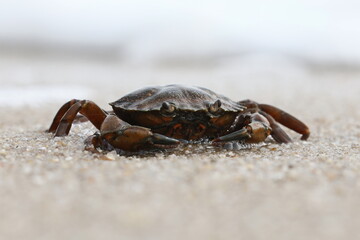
162 117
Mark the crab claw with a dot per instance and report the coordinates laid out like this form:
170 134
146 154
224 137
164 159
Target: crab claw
238 135
158 139
252 133
127 137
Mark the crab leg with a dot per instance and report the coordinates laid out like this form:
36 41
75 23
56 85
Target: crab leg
59 115
87 108
277 132
287 120
62 111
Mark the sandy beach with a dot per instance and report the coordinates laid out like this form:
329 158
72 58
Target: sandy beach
51 188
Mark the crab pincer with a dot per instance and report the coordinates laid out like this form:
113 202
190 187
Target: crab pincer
127 137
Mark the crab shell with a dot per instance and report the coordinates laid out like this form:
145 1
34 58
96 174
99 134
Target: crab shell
179 111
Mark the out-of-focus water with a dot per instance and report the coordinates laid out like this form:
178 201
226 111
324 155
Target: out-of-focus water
140 30
39 95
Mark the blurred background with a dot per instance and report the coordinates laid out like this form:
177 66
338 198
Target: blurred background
68 48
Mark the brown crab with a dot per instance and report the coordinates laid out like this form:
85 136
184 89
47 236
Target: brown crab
164 116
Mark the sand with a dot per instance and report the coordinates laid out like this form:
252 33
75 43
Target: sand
51 188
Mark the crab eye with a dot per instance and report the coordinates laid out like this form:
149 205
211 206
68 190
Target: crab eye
167 108
215 107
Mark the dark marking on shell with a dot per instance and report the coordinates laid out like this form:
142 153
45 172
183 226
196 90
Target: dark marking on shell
184 98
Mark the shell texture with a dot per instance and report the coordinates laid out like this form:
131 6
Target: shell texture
186 98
